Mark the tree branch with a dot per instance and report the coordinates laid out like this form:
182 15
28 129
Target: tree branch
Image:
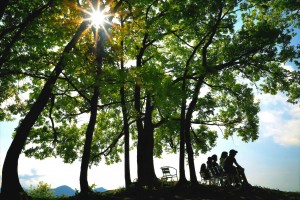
22 26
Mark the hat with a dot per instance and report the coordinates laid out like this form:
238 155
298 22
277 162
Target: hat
232 151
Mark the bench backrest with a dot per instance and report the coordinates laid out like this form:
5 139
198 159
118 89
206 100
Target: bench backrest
165 170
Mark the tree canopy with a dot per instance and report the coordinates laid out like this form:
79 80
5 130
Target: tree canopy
164 72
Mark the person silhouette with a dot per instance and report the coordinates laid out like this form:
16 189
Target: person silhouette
238 172
209 163
204 172
224 155
215 164
220 173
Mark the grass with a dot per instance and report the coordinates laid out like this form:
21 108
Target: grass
202 192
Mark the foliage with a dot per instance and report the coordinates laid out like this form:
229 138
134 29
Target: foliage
42 191
207 58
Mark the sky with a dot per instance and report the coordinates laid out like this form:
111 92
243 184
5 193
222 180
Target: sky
272 161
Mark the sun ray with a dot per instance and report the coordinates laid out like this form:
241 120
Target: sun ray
98 16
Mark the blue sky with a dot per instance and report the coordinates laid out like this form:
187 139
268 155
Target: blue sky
272 161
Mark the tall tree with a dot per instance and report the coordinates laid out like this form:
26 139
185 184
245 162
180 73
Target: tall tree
125 119
215 32
145 15
11 188
10 184
84 186
100 35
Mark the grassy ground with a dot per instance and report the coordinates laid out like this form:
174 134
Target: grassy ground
203 192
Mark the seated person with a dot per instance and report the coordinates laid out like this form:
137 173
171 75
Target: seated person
209 162
210 166
215 165
204 172
224 155
238 171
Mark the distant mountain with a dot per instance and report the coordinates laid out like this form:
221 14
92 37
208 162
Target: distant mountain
63 190
67 191
100 189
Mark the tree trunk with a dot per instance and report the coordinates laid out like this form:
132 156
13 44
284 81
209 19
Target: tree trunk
99 52
84 186
190 153
182 178
126 153
146 173
126 131
145 146
145 143
11 187
188 118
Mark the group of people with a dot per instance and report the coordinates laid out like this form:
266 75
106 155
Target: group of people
228 167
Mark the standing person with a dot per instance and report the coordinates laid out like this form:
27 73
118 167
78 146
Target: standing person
237 171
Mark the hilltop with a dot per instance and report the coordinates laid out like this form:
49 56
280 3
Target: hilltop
200 193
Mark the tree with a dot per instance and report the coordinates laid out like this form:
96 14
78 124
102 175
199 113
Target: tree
125 117
141 48
220 54
11 187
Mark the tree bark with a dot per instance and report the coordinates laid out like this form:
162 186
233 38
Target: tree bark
188 118
145 146
145 143
126 128
99 52
182 178
190 153
84 186
11 187
126 143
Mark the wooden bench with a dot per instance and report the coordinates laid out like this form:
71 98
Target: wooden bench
169 173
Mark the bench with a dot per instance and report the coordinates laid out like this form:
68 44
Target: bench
169 173
214 176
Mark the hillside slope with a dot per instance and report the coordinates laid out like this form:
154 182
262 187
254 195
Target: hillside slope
200 193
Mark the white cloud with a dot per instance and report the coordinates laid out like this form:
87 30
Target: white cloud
279 120
287 67
50 170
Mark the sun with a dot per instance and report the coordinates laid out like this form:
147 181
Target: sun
98 18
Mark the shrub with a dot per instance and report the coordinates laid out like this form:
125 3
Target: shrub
42 191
